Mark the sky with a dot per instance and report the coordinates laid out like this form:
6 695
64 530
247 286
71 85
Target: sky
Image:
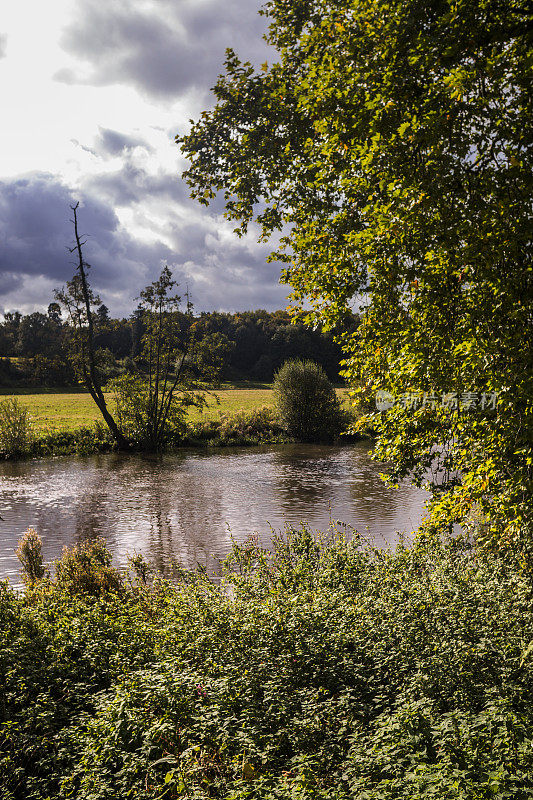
93 93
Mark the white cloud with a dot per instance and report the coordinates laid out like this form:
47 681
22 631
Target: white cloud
132 74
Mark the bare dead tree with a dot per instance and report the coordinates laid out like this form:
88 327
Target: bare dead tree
79 299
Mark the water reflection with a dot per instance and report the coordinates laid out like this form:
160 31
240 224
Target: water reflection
187 506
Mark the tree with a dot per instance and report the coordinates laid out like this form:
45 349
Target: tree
80 303
38 333
151 405
393 143
306 401
54 313
211 354
137 330
102 315
9 333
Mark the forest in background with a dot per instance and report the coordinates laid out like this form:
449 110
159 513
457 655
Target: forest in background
248 345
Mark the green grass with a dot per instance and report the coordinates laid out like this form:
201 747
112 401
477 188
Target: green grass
59 411
67 411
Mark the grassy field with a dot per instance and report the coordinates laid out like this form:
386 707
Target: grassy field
63 411
52 411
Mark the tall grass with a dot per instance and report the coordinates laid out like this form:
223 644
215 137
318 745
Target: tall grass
258 426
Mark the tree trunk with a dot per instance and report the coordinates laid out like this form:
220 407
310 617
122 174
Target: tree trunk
92 381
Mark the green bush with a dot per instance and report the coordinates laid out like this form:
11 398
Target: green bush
86 569
16 433
29 552
82 441
306 401
319 671
49 371
259 426
145 418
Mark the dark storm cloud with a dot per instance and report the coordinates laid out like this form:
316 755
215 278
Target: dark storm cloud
9 282
110 143
132 184
165 49
35 232
114 143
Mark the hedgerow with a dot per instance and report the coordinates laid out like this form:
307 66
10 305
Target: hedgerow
323 669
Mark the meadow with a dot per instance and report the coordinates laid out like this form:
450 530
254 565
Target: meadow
53 410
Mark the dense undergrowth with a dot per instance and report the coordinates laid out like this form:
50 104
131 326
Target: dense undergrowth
242 428
323 670
259 426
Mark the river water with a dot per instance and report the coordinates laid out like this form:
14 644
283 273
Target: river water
187 506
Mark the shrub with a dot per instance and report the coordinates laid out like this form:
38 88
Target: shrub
142 570
29 552
83 441
16 434
6 370
49 371
306 401
259 426
335 671
86 569
59 649
147 421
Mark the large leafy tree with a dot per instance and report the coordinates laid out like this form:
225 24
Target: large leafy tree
392 145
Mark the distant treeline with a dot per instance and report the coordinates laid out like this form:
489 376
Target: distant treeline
249 345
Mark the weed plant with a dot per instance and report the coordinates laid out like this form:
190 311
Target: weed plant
16 432
29 552
326 669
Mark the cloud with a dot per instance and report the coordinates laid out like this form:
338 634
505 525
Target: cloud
36 231
125 167
222 272
114 143
131 183
9 282
3 45
110 144
163 48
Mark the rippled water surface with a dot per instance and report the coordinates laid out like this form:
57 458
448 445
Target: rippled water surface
187 505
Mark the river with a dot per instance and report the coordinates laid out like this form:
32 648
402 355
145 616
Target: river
187 506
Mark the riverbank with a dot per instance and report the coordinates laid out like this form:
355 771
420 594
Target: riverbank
330 671
242 428
68 424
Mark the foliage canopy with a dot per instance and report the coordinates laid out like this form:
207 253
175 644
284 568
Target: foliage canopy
392 144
